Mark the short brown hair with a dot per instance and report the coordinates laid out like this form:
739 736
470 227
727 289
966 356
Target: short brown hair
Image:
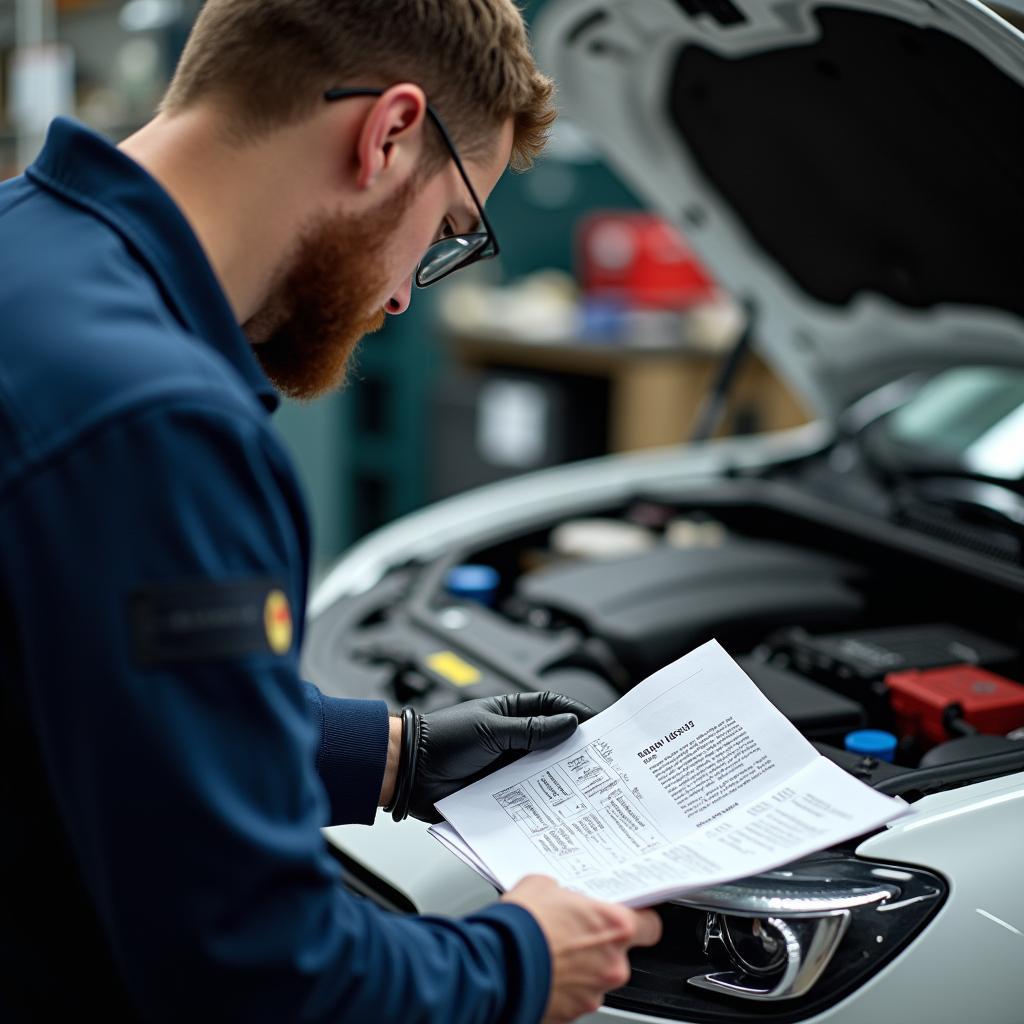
270 61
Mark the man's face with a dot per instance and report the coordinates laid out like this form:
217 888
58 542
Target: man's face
350 270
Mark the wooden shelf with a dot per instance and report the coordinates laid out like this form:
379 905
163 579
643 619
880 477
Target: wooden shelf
655 394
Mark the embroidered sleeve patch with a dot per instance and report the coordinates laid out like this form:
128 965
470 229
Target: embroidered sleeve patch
208 621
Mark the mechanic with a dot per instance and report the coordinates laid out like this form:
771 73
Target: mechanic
165 772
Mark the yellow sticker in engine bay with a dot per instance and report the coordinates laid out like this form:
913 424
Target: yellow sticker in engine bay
449 665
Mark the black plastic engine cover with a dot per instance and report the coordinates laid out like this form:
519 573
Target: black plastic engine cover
653 607
857 657
815 710
398 642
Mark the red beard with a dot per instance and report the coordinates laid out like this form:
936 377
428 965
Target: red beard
306 331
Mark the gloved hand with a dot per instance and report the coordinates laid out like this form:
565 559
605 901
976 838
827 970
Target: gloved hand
458 745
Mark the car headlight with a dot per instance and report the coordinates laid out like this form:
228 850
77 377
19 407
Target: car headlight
801 938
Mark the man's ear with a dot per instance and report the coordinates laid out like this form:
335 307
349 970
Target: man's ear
391 133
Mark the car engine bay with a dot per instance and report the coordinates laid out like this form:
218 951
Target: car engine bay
840 630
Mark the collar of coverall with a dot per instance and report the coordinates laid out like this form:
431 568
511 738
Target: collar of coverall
85 169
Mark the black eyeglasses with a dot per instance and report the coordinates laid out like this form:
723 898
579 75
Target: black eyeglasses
446 255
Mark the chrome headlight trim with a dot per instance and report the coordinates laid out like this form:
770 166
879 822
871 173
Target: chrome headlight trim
788 943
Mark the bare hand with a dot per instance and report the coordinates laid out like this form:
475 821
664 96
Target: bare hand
588 941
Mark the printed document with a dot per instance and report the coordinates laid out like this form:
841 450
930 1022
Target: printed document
693 778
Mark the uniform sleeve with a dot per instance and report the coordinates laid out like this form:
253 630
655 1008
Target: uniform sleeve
158 575
351 753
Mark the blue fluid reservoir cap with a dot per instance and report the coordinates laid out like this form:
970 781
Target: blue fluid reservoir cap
473 582
872 743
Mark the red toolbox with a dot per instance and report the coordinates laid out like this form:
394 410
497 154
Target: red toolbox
641 260
921 699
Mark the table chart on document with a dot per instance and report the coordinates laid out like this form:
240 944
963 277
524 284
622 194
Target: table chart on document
580 813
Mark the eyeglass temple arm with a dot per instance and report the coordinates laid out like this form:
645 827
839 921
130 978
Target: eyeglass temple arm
343 92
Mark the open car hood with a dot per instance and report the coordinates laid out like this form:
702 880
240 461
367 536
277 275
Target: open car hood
852 170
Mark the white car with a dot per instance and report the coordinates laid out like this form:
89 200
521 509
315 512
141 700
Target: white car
853 171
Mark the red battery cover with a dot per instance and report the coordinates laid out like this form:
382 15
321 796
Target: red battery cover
990 703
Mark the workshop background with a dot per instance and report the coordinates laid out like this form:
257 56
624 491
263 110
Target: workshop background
596 330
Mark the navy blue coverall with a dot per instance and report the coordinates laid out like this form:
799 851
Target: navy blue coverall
165 773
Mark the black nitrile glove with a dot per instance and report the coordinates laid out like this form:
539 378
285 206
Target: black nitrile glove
460 744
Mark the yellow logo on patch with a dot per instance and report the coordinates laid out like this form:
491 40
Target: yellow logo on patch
277 621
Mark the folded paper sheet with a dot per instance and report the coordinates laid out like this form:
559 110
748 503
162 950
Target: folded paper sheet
691 779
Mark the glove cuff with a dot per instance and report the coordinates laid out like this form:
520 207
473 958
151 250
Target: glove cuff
407 760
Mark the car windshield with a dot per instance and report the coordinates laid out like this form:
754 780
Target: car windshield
969 418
